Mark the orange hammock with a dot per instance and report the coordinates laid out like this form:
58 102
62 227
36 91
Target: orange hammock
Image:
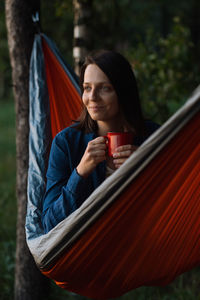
142 225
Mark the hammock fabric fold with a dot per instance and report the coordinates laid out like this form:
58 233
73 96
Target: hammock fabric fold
142 225
65 99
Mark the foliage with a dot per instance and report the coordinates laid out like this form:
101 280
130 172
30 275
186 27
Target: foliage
125 23
166 71
7 200
57 23
5 68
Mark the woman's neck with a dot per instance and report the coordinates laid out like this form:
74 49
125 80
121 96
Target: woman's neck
105 127
119 125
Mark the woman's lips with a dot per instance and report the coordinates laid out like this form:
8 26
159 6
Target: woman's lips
96 108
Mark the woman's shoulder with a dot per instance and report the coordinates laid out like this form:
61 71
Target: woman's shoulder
68 131
151 126
72 134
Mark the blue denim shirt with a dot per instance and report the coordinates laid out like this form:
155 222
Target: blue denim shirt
66 190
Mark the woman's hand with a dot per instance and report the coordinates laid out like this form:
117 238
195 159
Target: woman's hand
94 154
122 153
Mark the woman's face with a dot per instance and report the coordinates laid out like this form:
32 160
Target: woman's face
99 96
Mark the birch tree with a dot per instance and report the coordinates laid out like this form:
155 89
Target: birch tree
82 16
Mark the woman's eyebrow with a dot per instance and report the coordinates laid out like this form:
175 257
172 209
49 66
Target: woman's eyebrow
97 82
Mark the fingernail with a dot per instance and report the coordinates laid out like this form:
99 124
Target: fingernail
114 155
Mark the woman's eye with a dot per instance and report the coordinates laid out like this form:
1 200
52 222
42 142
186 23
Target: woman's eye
106 88
87 88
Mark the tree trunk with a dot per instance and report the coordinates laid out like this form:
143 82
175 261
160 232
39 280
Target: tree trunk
82 17
29 283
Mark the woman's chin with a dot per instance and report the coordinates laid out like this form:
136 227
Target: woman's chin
97 117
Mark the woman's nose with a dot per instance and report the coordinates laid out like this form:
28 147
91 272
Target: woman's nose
93 95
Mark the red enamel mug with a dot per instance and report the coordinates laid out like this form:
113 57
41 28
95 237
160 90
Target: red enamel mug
116 139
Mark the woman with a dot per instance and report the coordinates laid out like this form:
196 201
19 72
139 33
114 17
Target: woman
78 161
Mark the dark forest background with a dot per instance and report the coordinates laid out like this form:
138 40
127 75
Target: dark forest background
161 39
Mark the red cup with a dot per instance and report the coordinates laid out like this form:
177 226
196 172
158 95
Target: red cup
116 139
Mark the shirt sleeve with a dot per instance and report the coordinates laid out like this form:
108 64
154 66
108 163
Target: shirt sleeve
64 187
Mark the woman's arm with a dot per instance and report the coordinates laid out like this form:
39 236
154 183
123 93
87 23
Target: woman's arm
66 188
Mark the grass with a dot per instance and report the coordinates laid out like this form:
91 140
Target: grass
185 287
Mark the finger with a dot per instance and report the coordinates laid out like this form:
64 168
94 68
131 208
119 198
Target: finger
100 139
125 147
119 161
97 147
97 144
123 154
117 166
98 153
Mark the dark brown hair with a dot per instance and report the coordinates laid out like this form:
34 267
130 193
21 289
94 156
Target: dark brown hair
121 76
